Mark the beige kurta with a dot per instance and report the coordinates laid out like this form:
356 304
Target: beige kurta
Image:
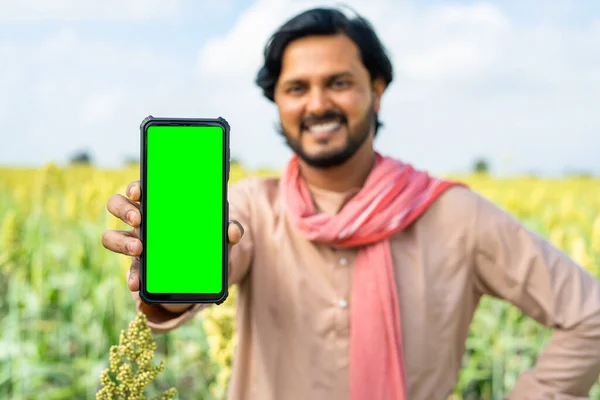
294 299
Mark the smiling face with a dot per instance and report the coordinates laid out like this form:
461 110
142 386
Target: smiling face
326 100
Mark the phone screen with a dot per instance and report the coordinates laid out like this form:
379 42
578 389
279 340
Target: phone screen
184 206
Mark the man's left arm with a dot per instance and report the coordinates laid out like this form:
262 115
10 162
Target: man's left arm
515 264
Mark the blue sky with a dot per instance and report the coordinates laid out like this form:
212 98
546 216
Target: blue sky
517 82
187 28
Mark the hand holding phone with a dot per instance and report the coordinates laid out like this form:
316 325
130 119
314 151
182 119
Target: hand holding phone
128 242
180 213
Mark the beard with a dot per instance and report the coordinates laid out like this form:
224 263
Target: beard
354 141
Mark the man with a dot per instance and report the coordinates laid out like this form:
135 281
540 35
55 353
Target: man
357 275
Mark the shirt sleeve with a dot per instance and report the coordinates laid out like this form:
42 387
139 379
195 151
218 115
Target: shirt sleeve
517 265
161 320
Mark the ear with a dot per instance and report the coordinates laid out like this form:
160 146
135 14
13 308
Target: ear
378 87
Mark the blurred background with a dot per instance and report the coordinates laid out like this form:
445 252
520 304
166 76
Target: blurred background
501 94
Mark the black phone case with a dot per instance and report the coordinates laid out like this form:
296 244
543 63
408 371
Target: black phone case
146 122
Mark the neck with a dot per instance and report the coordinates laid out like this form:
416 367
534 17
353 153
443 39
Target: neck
352 174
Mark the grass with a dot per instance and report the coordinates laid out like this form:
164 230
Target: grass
64 298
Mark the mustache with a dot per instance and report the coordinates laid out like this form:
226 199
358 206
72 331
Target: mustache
327 116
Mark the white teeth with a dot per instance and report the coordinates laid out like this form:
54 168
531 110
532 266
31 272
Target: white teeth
330 126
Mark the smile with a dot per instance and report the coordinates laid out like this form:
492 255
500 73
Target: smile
325 128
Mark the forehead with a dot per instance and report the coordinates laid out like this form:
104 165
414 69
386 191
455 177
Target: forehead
320 56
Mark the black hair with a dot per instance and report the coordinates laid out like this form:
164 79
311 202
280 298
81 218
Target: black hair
324 21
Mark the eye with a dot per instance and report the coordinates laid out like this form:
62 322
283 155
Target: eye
340 84
295 89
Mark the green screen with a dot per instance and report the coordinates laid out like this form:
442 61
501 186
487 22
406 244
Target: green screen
184 209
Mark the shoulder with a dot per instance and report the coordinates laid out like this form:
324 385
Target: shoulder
248 192
253 201
461 206
456 206
254 186
478 220
460 213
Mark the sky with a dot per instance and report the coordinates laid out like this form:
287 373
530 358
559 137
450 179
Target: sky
514 82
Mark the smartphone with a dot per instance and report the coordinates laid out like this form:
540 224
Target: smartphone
184 173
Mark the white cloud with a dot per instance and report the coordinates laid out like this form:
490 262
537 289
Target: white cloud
73 10
448 43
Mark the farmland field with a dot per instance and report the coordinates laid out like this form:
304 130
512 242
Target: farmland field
64 299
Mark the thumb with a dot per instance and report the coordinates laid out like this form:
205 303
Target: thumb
235 231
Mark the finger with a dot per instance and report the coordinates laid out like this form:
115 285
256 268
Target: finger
124 209
122 242
235 231
133 275
134 191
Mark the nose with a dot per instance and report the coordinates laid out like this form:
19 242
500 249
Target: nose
317 102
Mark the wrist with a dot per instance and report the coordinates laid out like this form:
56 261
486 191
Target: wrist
176 308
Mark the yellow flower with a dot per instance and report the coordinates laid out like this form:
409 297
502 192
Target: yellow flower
134 352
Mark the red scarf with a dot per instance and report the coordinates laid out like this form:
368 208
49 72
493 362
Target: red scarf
394 195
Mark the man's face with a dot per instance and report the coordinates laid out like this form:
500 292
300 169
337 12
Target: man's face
326 100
